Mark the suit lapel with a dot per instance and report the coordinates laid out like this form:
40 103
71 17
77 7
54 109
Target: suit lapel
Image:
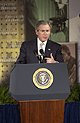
48 49
36 48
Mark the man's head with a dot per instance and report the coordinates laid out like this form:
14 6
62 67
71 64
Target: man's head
65 53
43 29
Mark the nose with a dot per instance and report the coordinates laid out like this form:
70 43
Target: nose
45 32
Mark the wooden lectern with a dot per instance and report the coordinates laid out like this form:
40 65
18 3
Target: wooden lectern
41 90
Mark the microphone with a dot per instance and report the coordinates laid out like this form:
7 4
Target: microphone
35 52
42 53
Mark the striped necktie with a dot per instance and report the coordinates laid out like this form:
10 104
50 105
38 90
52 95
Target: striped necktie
41 45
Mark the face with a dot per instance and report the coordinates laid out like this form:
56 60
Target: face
65 56
43 33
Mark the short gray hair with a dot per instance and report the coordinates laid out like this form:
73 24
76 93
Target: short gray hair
44 22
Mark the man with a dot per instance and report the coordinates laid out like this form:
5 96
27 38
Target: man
52 50
71 64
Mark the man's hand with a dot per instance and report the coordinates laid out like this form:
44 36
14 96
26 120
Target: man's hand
50 60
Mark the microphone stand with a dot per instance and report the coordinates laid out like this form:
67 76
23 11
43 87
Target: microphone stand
42 55
38 56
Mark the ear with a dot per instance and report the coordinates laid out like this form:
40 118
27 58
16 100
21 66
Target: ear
36 32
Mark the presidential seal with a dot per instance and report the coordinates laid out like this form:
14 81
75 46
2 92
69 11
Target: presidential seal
43 78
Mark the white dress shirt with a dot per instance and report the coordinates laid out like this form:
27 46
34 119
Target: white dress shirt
38 44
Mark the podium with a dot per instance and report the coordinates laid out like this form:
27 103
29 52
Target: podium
41 90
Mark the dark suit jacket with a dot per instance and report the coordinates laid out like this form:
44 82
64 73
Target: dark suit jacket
27 56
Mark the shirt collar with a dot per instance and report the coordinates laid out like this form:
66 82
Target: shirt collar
39 42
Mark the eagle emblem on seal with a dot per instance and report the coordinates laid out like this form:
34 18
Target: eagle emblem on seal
42 78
